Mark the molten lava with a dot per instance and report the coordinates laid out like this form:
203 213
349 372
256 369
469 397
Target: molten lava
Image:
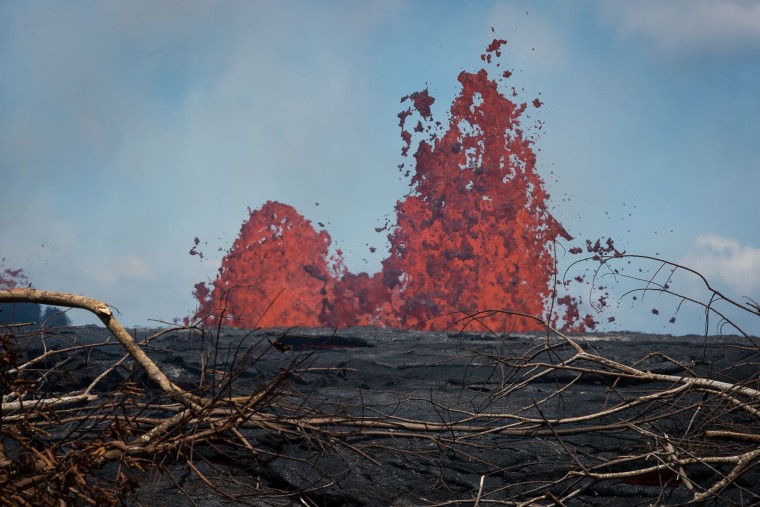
275 274
474 233
12 278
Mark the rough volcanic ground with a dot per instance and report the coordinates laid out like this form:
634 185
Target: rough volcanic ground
431 376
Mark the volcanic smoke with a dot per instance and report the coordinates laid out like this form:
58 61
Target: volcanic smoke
473 233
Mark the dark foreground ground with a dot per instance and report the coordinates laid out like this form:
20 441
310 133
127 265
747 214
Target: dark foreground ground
444 379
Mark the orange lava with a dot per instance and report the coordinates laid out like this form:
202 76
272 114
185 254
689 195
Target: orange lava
474 233
275 274
11 278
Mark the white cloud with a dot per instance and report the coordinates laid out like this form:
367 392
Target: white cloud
685 27
727 261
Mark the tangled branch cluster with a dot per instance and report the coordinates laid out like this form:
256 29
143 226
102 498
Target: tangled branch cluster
67 437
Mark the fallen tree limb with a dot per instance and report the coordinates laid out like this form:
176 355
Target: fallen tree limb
103 312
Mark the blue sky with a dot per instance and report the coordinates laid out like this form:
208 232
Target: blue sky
127 128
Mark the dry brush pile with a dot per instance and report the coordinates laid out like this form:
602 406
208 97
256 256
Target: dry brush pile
679 426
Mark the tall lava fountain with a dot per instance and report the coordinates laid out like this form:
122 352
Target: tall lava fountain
473 233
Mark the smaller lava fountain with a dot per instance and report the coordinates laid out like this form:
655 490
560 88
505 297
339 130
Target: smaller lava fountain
473 233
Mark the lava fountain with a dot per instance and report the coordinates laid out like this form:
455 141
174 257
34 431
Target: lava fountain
473 233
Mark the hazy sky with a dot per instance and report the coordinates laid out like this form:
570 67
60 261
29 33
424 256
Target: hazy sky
129 127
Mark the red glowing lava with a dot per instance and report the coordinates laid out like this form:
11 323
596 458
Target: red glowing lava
12 278
474 233
275 274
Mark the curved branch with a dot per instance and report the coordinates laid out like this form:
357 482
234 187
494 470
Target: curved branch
103 312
